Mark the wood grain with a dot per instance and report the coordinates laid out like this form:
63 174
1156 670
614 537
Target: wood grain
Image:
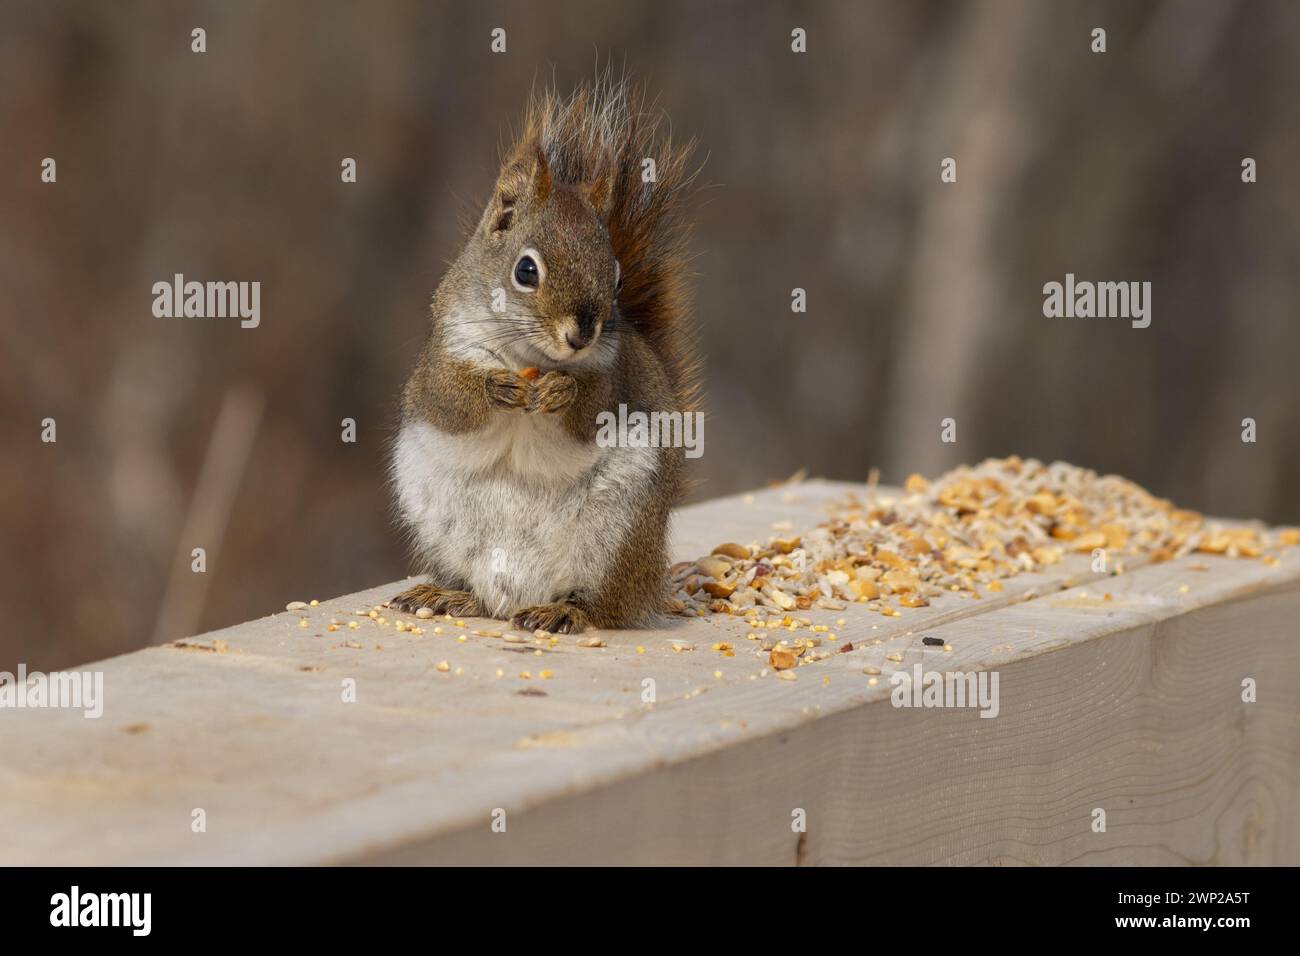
1131 704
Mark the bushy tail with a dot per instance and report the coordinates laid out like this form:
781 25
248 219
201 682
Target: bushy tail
609 131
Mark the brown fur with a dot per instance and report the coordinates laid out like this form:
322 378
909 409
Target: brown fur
572 185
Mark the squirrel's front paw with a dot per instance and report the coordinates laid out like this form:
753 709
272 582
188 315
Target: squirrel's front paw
505 389
552 392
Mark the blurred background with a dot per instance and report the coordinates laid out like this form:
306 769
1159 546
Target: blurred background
924 299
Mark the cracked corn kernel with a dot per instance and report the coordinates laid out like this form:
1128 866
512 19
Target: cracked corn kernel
443 666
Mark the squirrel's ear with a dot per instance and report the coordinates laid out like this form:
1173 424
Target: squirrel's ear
600 193
526 176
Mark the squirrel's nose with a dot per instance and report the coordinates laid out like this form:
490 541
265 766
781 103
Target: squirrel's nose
578 340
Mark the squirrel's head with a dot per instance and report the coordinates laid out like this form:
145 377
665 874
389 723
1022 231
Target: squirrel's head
547 247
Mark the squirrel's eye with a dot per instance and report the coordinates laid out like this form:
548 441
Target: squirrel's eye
526 273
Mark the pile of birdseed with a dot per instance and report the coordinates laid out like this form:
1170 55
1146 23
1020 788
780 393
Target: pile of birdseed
965 532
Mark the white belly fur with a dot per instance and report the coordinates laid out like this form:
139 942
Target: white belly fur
519 513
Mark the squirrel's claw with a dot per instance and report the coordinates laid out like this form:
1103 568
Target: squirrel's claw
505 389
555 618
553 392
438 600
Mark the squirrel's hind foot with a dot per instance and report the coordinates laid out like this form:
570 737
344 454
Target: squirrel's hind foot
438 600
561 618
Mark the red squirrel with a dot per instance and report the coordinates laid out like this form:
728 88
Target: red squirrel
567 300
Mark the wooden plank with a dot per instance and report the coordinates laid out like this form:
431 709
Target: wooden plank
1131 704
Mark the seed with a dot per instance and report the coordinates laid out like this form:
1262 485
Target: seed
424 613
296 605
591 642
515 639
486 633
895 657
871 670
546 674
783 600
932 641
781 657
443 666
737 552
787 675
714 567
719 590
531 373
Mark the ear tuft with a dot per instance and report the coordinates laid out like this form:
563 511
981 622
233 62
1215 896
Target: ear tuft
525 176
541 175
600 194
